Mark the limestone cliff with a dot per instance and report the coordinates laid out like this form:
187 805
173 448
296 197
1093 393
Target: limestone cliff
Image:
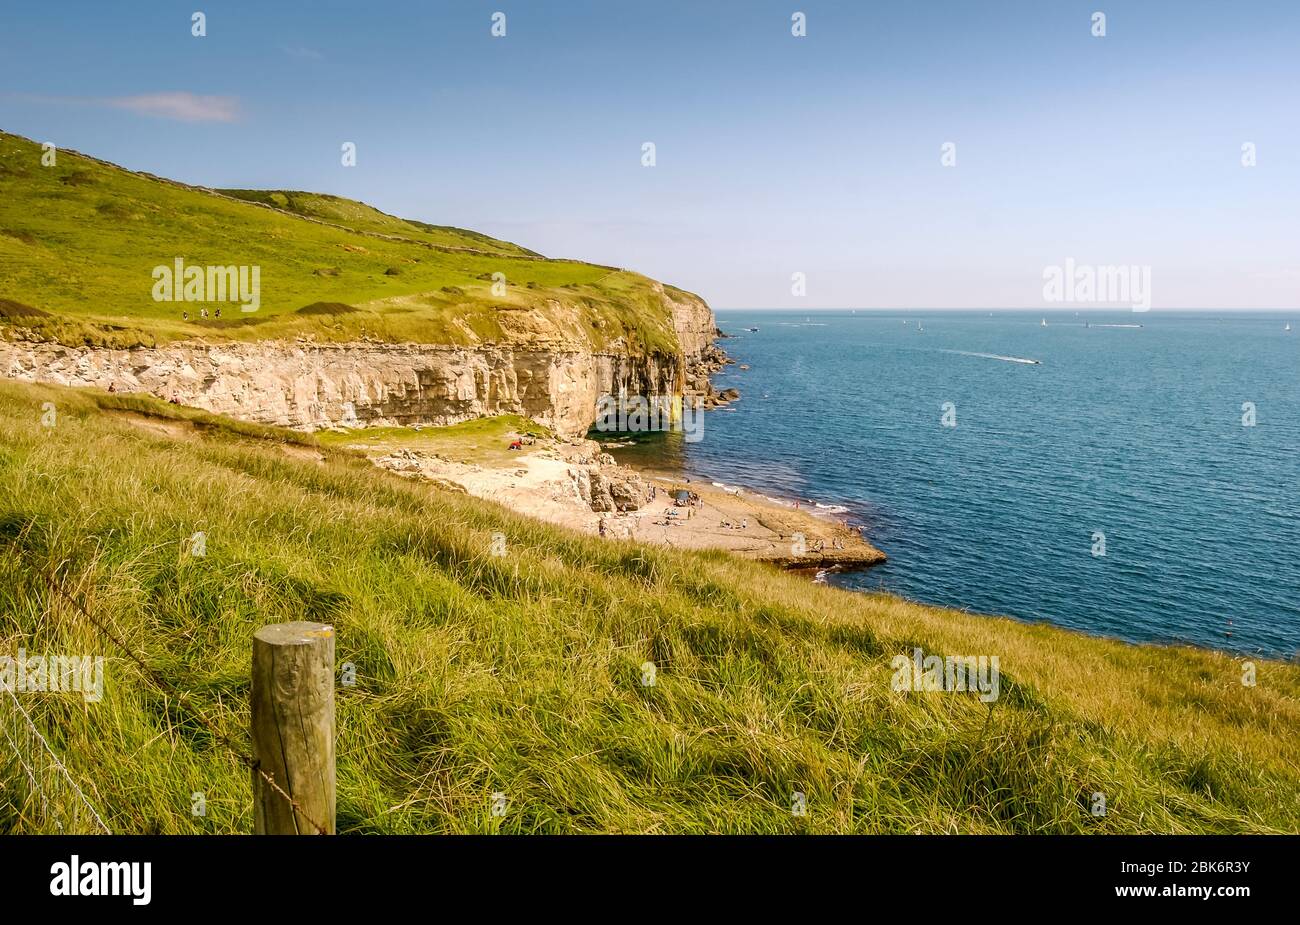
308 385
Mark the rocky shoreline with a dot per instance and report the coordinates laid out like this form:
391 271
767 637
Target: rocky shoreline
574 483
350 388
712 359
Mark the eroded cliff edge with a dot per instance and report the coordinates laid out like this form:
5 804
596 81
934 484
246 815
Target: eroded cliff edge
310 385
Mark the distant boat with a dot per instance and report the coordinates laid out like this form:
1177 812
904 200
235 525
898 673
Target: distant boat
1043 323
752 330
1288 326
920 328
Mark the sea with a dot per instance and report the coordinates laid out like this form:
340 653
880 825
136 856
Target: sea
1125 474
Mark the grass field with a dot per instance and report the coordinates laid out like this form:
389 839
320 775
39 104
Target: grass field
483 441
79 241
521 674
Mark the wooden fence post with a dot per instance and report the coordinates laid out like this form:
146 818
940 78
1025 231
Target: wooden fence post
293 728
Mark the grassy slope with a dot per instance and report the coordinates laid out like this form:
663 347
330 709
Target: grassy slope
361 217
520 674
79 241
482 441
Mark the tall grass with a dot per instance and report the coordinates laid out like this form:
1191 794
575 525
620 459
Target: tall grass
478 674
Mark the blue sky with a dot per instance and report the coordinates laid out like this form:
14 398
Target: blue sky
775 154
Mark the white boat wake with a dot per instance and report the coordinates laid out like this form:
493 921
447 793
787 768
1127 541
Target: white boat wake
995 356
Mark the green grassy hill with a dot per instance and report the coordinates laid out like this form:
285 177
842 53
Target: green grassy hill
521 674
79 241
360 217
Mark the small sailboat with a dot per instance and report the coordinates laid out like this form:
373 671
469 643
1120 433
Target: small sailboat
1043 323
1288 327
920 328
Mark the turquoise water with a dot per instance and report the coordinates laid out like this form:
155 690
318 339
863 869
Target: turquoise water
1132 432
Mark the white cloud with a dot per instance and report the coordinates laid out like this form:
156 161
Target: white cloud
181 106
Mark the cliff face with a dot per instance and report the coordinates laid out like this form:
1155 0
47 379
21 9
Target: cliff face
307 385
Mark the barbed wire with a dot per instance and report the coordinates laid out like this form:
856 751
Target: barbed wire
162 685
33 786
31 775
